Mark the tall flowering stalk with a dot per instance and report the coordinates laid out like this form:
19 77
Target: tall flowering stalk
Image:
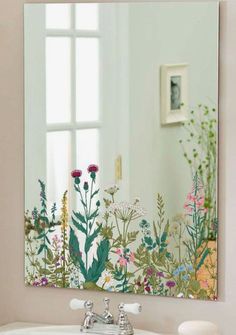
152 256
197 245
125 213
85 228
120 215
200 152
64 237
44 223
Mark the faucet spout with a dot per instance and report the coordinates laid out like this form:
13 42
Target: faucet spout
102 318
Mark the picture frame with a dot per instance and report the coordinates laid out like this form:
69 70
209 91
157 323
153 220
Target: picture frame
174 93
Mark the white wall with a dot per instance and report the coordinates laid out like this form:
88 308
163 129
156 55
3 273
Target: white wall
50 305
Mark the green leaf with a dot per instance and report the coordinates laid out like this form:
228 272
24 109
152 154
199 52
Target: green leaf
79 216
83 203
94 193
91 238
148 240
155 230
79 226
93 215
75 253
51 230
47 239
44 219
163 237
132 236
167 227
194 285
98 265
41 248
205 254
49 255
46 272
42 235
47 261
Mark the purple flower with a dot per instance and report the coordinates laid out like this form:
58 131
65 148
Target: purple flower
93 168
44 281
160 274
170 283
36 283
76 173
150 272
147 289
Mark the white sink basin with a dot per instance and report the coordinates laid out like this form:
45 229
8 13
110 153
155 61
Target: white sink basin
17 329
45 330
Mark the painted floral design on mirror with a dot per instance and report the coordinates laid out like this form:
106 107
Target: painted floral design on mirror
110 245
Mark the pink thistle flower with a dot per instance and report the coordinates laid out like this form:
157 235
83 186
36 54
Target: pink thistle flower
76 173
92 168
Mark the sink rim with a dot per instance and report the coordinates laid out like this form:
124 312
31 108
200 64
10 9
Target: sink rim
27 328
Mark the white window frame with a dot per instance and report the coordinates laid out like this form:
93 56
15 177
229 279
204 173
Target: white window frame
73 125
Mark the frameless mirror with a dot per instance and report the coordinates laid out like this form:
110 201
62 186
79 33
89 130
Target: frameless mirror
121 147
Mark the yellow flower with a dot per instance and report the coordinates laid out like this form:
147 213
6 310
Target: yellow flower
107 278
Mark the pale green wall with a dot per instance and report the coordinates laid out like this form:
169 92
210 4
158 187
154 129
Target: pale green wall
169 34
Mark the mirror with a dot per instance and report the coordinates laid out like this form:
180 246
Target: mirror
121 150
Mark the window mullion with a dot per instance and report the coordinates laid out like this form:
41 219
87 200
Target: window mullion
73 101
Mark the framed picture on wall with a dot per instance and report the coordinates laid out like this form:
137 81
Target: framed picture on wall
174 93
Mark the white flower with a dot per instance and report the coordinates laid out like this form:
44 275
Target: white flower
107 280
112 190
180 295
126 211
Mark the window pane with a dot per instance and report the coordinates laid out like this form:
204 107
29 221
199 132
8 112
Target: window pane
87 148
58 165
58 79
87 16
87 78
58 16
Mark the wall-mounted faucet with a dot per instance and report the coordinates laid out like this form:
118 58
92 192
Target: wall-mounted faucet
104 323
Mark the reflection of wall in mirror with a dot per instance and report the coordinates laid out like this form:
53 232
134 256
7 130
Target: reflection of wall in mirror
156 156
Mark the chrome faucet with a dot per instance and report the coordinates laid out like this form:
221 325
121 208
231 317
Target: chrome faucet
107 314
104 323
